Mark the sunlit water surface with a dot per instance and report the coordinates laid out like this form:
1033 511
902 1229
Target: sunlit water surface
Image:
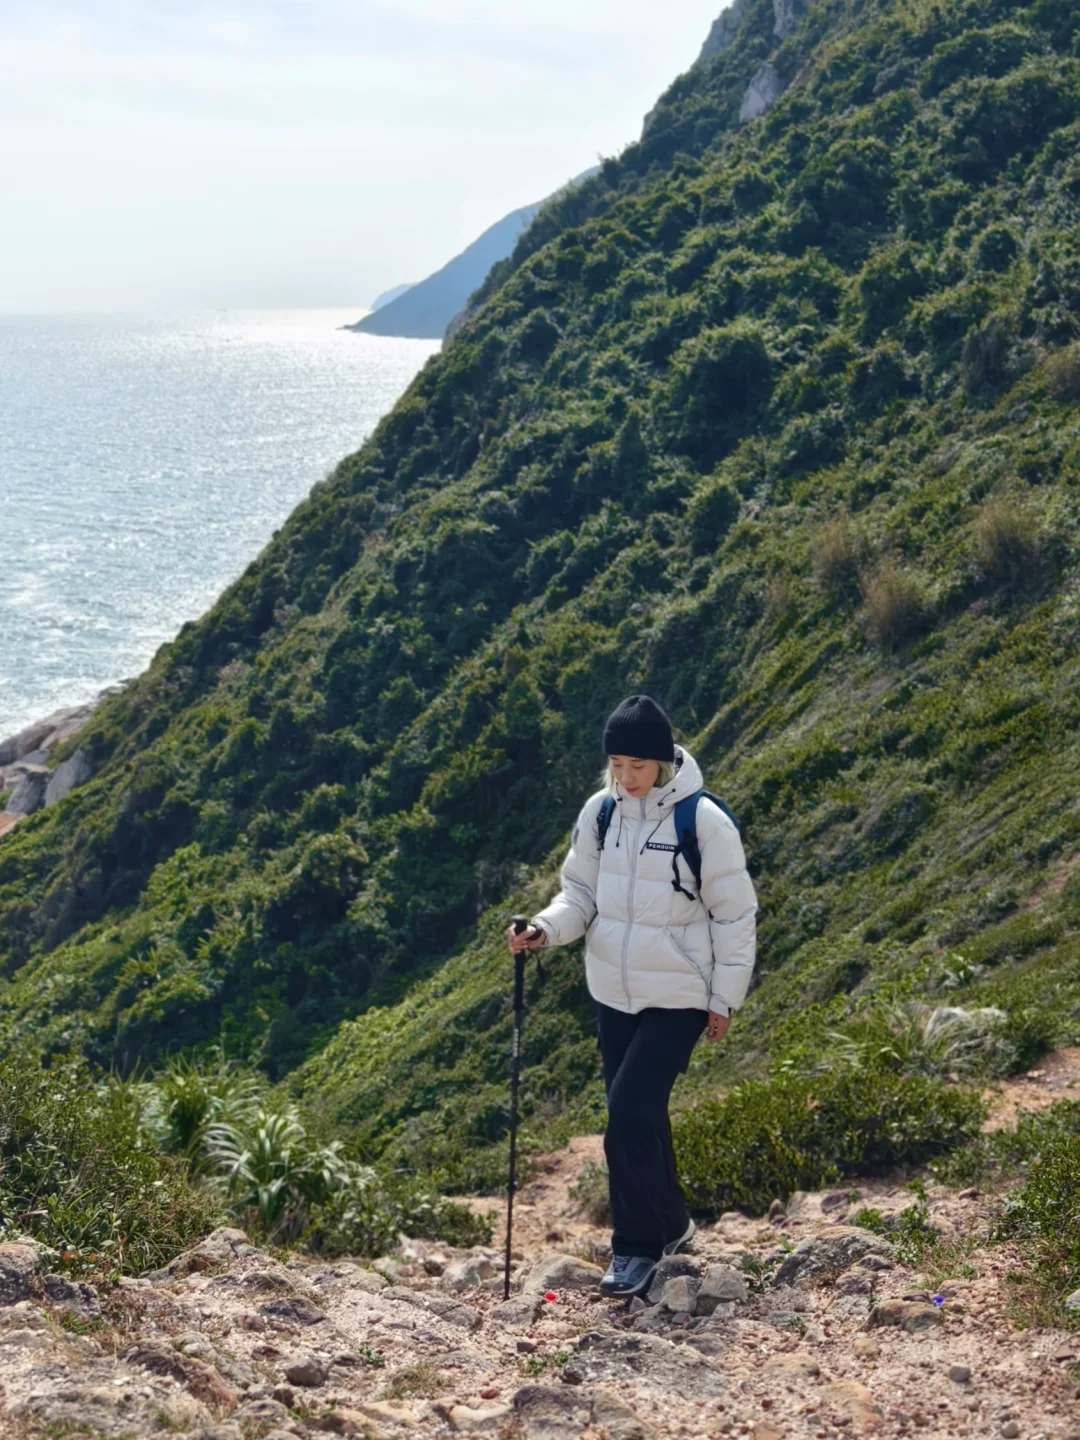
145 462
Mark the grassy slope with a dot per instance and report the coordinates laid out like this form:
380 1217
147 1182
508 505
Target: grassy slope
623 473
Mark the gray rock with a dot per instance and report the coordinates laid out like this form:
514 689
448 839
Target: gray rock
452 1311
837 1200
307 1371
542 1412
834 1247
622 1356
721 32
75 770
910 1315
961 1374
518 1310
264 1412
200 1379
94 1404
73 1296
652 1320
1072 1302
721 1285
786 15
466 1273
680 1294
668 1268
293 1308
561 1272
17 1263
1010 1429
764 90
855 1282
28 793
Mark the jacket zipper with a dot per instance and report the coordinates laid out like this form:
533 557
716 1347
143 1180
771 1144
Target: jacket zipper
630 915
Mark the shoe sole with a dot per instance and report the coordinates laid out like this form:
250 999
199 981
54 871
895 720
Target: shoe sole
683 1241
629 1294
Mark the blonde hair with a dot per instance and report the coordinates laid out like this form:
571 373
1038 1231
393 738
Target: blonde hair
665 777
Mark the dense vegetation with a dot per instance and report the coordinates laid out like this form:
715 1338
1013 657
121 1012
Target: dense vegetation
116 1176
777 422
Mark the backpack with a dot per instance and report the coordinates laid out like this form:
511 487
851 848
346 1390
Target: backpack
685 832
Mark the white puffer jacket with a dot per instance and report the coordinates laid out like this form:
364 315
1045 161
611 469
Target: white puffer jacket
647 944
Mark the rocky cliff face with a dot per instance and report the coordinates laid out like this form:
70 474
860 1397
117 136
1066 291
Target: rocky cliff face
25 773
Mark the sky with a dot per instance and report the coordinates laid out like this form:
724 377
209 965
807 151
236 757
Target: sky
159 154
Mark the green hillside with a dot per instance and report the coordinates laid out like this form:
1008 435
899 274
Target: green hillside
778 422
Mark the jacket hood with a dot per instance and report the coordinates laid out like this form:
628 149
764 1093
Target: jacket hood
662 799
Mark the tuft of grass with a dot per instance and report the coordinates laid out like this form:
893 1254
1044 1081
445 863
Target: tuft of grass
1007 542
895 608
837 556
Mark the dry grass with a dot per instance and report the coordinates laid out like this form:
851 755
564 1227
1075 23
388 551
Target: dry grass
894 606
1007 541
838 554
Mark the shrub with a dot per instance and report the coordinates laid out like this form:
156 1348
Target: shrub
895 608
720 380
769 1138
1044 1215
1005 1154
77 1174
711 512
837 556
1063 373
1006 538
985 356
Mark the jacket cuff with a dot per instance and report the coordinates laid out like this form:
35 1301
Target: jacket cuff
718 1007
543 925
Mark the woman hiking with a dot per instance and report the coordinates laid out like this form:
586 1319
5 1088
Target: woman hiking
665 959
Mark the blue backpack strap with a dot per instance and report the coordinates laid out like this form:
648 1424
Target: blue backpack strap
685 815
603 818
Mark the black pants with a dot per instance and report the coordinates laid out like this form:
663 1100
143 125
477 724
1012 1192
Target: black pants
642 1056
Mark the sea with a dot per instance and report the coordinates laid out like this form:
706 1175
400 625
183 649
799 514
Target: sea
145 461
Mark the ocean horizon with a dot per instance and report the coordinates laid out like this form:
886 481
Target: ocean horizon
145 460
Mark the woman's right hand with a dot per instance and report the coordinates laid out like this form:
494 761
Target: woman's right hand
530 939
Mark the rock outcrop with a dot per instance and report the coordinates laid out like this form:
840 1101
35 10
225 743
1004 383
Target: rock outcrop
764 90
24 771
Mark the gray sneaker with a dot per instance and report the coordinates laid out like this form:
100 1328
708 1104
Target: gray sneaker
683 1241
627 1275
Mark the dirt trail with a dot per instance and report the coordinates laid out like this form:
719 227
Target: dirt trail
804 1326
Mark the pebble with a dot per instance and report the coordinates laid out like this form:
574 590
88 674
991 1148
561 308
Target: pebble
306 1371
1010 1430
960 1373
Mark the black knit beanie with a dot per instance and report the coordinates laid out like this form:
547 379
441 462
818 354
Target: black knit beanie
638 727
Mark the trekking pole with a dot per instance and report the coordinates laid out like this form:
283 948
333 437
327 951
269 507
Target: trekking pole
520 926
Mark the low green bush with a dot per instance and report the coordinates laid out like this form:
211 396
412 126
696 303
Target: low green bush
769 1138
79 1173
1043 1216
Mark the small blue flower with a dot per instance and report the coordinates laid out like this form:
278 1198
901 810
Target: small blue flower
937 1299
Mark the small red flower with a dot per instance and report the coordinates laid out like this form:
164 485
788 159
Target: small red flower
550 1295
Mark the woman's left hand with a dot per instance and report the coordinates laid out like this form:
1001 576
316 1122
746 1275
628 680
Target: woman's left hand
717 1026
